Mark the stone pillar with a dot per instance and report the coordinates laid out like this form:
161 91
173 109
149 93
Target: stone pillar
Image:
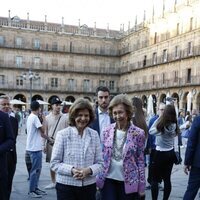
95 30
62 25
28 21
45 23
9 19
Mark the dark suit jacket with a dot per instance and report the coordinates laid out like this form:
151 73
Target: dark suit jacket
95 124
14 124
6 142
192 154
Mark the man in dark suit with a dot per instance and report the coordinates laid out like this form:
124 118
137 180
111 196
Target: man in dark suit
11 155
102 117
6 143
192 160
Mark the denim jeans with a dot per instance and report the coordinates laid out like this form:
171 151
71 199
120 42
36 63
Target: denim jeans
193 184
36 161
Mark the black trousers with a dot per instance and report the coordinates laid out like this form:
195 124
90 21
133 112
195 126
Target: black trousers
11 170
161 170
68 192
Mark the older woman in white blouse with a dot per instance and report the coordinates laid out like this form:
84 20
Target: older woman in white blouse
77 155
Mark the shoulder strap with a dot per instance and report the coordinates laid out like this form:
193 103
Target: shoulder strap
56 126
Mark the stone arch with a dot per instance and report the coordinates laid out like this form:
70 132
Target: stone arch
162 98
184 101
20 97
144 101
198 102
88 98
154 103
70 99
37 97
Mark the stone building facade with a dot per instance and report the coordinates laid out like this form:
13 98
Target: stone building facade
156 58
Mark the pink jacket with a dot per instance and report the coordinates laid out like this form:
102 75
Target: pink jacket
133 159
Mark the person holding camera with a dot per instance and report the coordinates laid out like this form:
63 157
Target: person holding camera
55 121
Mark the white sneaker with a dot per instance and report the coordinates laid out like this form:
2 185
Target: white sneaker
40 192
34 195
50 186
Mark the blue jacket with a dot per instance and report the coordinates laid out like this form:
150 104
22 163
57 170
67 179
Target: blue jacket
192 154
151 138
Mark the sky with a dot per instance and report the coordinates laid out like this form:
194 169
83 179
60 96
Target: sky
103 12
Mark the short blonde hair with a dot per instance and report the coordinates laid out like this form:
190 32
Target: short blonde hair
80 104
121 99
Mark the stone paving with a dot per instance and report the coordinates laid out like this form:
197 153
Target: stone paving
20 183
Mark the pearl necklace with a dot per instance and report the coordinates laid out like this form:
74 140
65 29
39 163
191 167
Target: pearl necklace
118 148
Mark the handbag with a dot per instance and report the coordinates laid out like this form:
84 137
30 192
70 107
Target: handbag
51 143
177 156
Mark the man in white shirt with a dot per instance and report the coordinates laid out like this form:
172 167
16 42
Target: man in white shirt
34 147
102 117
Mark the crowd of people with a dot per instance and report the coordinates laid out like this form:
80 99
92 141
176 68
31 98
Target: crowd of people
99 152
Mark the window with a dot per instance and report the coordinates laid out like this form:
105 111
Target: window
155 37
163 78
111 85
189 75
19 81
175 76
54 82
102 83
54 46
36 44
177 53
86 85
19 61
165 55
191 23
153 79
70 47
36 61
2 79
18 42
1 40
154 58
189 48
145 61
71 84
177 28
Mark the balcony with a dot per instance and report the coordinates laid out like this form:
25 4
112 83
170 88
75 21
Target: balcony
181 82
183 54
44 67
44 87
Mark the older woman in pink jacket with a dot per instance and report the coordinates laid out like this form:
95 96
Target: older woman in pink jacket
123 176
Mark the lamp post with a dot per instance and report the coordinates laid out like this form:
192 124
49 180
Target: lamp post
32 76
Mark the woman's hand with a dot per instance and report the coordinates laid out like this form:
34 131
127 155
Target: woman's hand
80 174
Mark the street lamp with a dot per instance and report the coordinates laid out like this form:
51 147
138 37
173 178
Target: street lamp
32 77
